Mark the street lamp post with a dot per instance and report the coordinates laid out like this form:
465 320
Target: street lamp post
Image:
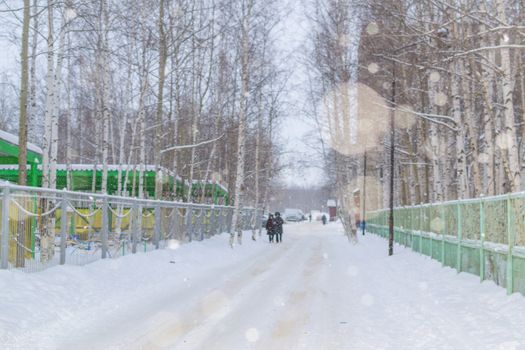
392 160
363 217
392 146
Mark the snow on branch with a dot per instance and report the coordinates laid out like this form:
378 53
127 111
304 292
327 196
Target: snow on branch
430 117
192 146
510 46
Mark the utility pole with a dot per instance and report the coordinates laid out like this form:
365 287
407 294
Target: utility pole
363 216
392 145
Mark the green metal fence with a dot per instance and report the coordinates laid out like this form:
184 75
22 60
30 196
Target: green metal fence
485 236
41 228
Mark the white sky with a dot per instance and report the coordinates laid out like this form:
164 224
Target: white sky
9 54
292 35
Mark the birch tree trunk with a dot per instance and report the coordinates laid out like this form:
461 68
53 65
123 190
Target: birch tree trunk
472 137
142 147
50 98
23 99
47 232
160 101
69 119
239 178
121 188
56 105
460 135
435 144
507 86
105 94
32 72
22 129
268 170
487 79
257 167
142 117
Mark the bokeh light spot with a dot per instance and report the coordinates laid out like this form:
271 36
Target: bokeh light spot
440 99
373 68
435 77
372 28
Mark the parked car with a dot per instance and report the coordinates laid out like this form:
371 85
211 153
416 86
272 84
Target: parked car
293 215
292 218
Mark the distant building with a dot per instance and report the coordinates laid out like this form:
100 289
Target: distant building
88 177
332 209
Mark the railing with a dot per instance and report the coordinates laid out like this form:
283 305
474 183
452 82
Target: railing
40 227
485 236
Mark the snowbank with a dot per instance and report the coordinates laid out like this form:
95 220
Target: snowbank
39 308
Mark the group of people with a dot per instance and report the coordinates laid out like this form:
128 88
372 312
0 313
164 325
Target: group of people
274 227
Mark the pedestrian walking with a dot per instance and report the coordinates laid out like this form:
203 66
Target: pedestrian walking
278 222
324 219
270 227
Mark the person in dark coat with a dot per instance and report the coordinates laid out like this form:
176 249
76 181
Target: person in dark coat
270 228
278 223
323 218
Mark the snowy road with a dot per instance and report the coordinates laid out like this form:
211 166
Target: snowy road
313 291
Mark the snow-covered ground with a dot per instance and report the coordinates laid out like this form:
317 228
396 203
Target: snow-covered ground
313 291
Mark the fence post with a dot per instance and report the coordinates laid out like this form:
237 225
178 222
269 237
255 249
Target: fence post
413 216
211 224
157 227
63 229
385 227
510 242
4 238
409 224
245 219
205 223
189 224
482 240
104 230
229 220
173 222
221 221
217 221
202 219
460 237
259 223
250 218
421 226
431 236
136 228
443 232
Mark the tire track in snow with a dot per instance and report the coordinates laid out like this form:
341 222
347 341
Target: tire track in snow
166 313
271 306
210 315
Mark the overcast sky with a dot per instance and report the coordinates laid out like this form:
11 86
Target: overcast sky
292 35
9 54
